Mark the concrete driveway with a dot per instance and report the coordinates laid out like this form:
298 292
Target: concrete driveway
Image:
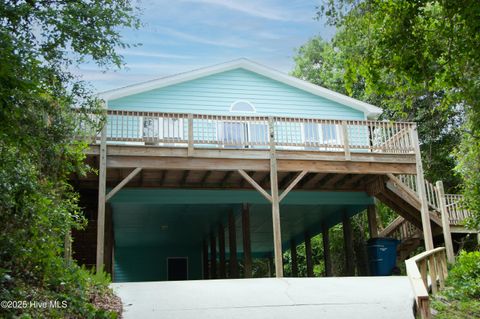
346 297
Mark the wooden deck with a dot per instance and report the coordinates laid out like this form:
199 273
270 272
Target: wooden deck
270 154
210 168
199 151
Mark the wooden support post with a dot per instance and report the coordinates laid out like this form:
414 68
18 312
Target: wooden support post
293 253
447 235
424 309
441 262
423 271
206 274
102 177
346 143
427 231
221 251
326 251
247 249
213 256
432 269
308 254
108 239
348 238
190 135
232 242
277 234
270 265
372 221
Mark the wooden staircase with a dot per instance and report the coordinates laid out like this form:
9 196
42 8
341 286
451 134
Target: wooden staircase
400 193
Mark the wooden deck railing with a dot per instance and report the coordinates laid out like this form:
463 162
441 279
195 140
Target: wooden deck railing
400 229
433 199
428 269
456 213
232 131
447 207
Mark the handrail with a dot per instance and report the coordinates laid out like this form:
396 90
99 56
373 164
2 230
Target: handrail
402 229
410 182
456 213
238 131
431 264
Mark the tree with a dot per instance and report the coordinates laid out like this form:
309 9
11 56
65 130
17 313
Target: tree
420 61
41 42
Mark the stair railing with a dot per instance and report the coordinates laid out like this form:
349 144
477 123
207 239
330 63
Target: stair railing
433 199
448 207
400 229
427 270
456 212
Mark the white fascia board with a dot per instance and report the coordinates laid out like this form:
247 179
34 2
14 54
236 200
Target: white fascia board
370 111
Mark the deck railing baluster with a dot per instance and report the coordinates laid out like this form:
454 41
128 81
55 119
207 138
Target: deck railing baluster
248 131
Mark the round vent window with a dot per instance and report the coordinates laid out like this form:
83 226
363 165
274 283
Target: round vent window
242 106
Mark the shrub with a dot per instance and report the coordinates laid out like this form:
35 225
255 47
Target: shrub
464 277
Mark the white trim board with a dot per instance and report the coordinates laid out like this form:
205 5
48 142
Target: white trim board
369 110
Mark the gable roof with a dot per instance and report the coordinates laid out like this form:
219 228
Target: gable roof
370 111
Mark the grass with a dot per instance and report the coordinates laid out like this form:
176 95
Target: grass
450 308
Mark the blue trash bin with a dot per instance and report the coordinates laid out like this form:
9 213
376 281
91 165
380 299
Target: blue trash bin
382 256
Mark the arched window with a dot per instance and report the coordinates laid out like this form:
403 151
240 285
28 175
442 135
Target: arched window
242 106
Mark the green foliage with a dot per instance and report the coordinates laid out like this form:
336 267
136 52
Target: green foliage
337 251
420 61
468 155
41 41
461 298
320 63
455 309
327 64
464 277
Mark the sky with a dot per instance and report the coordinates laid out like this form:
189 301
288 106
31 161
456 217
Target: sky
182 35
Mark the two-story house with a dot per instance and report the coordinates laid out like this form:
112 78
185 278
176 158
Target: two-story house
201 172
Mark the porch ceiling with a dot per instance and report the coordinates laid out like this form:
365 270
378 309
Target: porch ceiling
162 217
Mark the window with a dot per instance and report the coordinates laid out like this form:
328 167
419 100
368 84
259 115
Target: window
172 128
163 128
330 134
150 127
234 133
321 134
258 133
242 106
311 132
243 134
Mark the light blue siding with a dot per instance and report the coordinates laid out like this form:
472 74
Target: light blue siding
214 95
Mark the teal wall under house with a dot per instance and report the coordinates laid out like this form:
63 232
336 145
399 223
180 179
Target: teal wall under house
150 263
214 95
151 225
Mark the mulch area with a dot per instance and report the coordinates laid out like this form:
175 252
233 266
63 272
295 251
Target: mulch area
107 301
